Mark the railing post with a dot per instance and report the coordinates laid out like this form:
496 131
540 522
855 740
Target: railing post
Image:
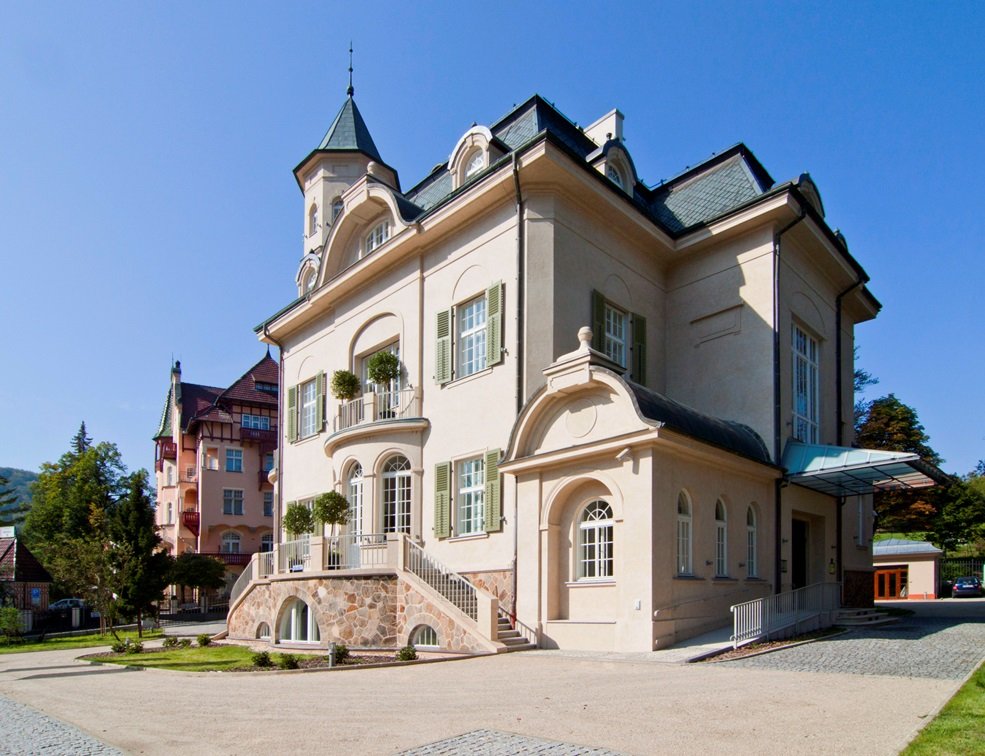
277 565
255 567
487 616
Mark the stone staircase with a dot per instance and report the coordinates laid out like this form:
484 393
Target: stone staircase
862 618
509 637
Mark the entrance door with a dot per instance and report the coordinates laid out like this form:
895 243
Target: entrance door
890 583
799 539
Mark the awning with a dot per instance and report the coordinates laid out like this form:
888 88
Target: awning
844 471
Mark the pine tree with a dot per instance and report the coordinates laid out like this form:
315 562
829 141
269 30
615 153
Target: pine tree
11 510
81 441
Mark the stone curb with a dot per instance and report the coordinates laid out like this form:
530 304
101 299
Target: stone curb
710 656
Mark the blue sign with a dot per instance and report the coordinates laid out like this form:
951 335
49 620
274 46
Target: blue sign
35 596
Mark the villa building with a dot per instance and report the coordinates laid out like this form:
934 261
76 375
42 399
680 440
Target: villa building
213 450
620 409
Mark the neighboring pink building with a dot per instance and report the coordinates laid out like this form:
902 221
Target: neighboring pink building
213 450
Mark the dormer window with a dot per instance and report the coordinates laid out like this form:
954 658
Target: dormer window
376 237
614 176
313 220
475 164
309 281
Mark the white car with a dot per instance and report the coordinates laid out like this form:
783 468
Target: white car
67 603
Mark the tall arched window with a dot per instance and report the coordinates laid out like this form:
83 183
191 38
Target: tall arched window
354 493
230 542
396 495
683 534
336 208
751 556
721 540
595 542
313 220
298 623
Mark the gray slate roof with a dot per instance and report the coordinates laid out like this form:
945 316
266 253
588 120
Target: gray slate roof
349 132
894 546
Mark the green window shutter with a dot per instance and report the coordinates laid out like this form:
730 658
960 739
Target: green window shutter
493 500
320 401
598 322
442 361
638 372
292 414
494 324
442 499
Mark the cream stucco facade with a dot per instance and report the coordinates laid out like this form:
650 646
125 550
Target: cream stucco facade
595 377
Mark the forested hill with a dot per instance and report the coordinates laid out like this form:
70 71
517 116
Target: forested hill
19 485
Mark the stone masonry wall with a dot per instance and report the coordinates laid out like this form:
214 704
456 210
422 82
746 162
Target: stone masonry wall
497 582
416 609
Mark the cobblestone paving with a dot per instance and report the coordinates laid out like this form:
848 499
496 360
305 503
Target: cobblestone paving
26 731
941 649
495 743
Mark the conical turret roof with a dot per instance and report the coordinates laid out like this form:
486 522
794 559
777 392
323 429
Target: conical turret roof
349 132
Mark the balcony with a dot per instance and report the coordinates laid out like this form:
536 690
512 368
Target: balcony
262 479
235 560
267 437
377 412
191 521
169 450
339 552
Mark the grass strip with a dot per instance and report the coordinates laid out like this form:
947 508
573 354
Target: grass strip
959 729
194 659
75 641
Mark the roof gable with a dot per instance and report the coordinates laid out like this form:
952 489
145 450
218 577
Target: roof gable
245 390
19 565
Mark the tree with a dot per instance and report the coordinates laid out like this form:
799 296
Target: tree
298 520
142 567
81 441
12 511
961 514
861 379
331 508
891 425
197 571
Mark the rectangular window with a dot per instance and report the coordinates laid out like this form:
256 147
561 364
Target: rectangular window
615 335
471 326
471 494
309 408
805 387
234 460
211 461
268 462
232 501
266 542
256 422
268 503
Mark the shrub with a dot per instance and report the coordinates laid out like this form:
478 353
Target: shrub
10 624
134 647
119 646
345 385
331 508
185 642
383 367
407 653
203 639
261 659
341 654
298 519
288 661
171 642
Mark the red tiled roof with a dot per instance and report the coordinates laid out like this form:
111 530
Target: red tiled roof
19 565
196 400
244 390
211 404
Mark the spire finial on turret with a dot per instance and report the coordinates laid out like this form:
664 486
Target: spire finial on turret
350 91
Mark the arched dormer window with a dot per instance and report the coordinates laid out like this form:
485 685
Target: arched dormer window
474 163
614 176
313 220
378 236
309 280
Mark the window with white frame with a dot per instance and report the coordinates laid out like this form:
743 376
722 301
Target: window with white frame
298 623
337 206
683 534
376 237
721 540
620 335
232 501
170 475
424 636
256 422
471 324
805 386
595 542
263 631
308 414
615 334
396 495
752 552
268 503
267 542
309 280
234 460
471 490
469 336
388 396
210 459
170 519
312 220
476 162
354 493
614 176
230 542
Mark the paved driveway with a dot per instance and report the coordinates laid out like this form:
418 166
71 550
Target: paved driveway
631 705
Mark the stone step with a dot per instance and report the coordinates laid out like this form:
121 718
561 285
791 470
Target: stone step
863 618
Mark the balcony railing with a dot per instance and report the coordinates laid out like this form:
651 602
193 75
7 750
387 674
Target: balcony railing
374 406
265 563
295 556
228 558
169 450
267 435
352 552
191 521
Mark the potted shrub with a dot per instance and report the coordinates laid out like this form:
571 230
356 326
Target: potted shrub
345 385
383 368
298 521
332 508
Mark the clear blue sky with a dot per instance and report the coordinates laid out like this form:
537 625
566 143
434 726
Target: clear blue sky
147 206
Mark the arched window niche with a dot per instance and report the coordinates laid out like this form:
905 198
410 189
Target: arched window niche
298 623
595 542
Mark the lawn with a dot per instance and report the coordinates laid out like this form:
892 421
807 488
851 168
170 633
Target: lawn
195 659
74 641
960 727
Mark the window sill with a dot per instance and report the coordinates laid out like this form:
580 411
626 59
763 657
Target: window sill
687 577
467 537
590 582
724 579
755 580
467 378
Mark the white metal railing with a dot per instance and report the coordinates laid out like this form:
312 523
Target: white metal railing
528 633
351 552
762 617
381 405
457 589
265 563
295 556
242 581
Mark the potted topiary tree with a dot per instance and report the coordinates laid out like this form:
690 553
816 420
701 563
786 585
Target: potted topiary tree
297 521
332 508
383 368
345 385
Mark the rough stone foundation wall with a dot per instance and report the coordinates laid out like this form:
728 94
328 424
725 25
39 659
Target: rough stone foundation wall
497 582
416 609
858 589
